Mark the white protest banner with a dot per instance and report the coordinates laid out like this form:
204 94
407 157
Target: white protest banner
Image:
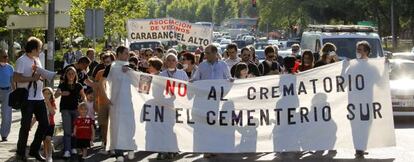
341 105
169 29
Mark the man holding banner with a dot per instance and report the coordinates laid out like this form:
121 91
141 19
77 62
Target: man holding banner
121 114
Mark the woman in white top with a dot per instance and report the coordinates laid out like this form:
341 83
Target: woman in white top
171 70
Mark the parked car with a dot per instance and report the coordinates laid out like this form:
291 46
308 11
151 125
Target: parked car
402 87
249 39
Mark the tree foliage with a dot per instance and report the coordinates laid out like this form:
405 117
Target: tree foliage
282 14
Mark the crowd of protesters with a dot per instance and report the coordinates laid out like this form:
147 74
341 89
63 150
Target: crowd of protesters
83 82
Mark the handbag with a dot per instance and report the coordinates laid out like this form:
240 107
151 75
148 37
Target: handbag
18 98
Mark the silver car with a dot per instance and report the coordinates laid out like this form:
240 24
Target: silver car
402 87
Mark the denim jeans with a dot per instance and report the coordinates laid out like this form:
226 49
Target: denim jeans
68 117
6 113
38 108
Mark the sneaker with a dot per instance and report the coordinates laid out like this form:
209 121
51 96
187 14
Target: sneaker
360 154
4 139
66 154
131 155
120 159
162 156
74 151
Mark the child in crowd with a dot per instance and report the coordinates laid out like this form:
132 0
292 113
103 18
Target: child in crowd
90 101
51 110
84 131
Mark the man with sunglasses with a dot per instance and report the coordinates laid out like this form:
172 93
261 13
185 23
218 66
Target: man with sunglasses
270 66
6 75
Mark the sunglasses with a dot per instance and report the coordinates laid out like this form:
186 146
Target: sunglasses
5 56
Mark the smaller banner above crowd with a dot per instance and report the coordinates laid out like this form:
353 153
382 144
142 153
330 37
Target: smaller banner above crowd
140 30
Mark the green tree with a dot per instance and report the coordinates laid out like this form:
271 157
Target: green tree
204 11
224 9
116 15
182 9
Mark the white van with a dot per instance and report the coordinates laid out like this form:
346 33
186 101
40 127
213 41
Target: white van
345 38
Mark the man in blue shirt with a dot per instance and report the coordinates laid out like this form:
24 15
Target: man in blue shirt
6 74
212 68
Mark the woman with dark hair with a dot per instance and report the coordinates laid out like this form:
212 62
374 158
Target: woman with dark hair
253 56
71 92
306 61
133 63
327 51
241 71
154 66
189 64
290 62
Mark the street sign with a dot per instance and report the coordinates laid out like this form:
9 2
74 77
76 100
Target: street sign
94 23
62 20
60 5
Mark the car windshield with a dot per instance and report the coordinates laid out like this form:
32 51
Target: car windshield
140 45
346 47
402 70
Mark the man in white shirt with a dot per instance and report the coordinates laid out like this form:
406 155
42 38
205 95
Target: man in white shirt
26 77
233 58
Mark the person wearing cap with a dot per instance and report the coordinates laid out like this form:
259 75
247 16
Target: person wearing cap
6 86
295 50
171 70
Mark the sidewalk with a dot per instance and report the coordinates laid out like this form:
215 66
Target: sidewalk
8 149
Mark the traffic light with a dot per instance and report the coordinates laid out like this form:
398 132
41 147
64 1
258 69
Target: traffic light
254 3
